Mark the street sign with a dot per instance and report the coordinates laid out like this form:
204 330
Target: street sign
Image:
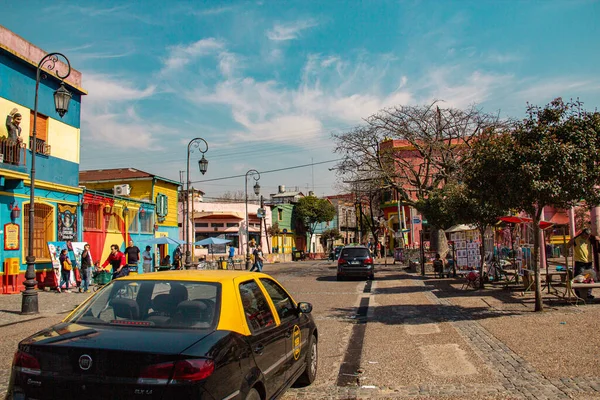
284 230
260 213
416 220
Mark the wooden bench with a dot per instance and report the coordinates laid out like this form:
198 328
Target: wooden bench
572 286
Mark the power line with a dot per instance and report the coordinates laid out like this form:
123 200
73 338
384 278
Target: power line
268 171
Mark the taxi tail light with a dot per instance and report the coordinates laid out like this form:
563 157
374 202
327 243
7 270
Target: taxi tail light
25 360
194 369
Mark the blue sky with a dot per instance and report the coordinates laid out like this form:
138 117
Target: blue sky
267 82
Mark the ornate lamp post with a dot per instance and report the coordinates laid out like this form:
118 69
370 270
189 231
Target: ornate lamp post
29 299
203 165
256 177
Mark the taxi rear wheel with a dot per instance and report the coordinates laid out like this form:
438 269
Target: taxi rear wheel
253 395
310 373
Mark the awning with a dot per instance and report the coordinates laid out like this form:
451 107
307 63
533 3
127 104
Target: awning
218 214
512 219
461 228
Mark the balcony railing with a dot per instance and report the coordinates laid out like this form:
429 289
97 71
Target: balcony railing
12 152
40 146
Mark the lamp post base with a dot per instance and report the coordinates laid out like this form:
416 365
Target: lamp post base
29 297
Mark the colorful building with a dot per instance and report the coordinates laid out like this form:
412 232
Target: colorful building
151 203
57 193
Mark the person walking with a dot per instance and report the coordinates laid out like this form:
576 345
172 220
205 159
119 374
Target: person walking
258 259
133 257
231 254
65 271
86 268
147 260
582 252
116 259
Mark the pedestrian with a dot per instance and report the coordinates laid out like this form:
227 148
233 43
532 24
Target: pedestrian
582 252
438 266
147 260
377 249
133 256
65 271
382 250
231 254
258 259
116 259
177 261
86 268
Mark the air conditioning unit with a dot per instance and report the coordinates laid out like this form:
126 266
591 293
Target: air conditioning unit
121 190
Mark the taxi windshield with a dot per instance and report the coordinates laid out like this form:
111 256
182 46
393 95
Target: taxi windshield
162 304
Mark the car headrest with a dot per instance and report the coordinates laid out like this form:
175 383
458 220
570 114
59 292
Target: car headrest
191 312
178 293
125 308
161 303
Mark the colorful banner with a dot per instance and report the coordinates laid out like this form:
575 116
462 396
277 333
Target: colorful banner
78 248
67 222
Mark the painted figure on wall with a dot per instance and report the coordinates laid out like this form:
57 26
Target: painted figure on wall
13 126
67 222
11 147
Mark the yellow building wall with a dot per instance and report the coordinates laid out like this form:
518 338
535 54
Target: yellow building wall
169 190
63 138
142 190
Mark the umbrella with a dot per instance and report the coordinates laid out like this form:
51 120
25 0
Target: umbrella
211 241
165 240
524 220
460 228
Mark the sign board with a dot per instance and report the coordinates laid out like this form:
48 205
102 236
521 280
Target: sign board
12 237
284 230
260 213
416 220
67 222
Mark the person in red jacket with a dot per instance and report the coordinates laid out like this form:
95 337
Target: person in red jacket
117 261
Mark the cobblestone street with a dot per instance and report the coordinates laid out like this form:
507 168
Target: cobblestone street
407 336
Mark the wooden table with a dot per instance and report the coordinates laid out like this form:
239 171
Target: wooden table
529 278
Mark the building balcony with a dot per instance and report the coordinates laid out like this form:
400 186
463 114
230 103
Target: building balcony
41 147
13 155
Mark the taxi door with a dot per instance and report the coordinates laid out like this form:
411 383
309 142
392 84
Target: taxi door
268 339
296 326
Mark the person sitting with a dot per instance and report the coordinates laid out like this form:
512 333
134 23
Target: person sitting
438 266
166 262
177 261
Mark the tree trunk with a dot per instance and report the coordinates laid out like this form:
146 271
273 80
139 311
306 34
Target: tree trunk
438 242
482 253
539 305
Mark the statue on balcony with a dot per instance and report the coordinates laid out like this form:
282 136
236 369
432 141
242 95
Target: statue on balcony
13 122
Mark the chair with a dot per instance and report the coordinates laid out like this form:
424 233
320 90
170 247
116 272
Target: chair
125 308
471 280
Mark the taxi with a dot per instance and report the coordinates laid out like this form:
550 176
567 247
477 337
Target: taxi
173 334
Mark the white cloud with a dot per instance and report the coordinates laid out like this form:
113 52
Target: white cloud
181 55
109 118
290 31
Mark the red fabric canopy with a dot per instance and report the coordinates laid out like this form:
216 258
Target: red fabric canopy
524 220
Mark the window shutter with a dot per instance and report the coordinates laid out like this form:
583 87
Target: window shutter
41 128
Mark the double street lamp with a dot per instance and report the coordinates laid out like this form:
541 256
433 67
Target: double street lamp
203 165
256 177
62 97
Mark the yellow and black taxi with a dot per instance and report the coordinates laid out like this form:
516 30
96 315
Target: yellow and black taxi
173 335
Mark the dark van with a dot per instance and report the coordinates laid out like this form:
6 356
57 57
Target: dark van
355 261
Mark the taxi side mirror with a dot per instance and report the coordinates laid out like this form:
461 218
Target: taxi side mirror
304 307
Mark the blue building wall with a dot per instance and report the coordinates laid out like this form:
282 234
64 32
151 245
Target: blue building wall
17 83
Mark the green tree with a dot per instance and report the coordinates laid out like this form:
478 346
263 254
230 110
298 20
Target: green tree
553 159
330 236
311 211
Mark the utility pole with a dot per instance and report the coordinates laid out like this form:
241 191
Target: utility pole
261 220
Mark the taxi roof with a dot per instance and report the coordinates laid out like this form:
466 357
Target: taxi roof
194 275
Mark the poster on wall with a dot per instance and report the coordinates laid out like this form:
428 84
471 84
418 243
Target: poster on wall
67 222
77 250
12 236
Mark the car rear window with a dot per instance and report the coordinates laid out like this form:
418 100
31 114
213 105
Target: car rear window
150 304
355 253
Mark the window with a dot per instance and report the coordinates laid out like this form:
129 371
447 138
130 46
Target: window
232 224
43 229
217 224
257 310
162 205
147 222
92 217
134 221
201 224
41 145
279 214
113 221
283 303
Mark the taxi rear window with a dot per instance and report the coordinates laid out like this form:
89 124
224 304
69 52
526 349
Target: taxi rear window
350 253
162 304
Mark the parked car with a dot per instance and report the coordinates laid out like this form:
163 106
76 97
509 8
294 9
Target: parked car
355 261
173 335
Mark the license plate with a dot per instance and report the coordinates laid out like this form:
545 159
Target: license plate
354 262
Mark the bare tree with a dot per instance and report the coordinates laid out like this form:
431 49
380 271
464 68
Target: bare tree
414 149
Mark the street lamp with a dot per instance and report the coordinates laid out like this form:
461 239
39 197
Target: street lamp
256 177
203 165
29 298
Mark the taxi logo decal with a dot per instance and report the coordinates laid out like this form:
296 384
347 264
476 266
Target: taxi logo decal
85 362
296 342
